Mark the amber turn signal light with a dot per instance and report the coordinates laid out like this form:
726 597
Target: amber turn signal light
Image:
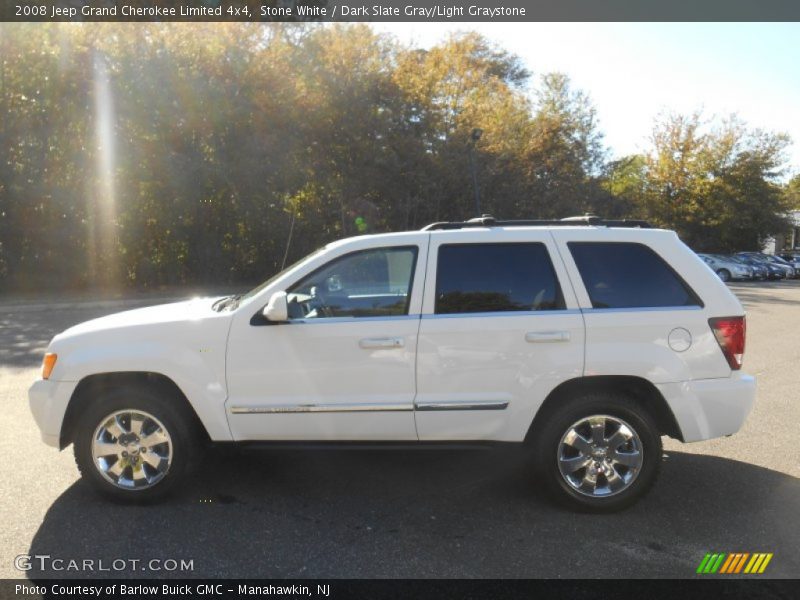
47 364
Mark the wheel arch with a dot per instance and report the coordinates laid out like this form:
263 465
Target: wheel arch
638 388
91 385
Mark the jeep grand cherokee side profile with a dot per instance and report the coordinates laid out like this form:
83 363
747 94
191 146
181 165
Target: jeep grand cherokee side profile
582 341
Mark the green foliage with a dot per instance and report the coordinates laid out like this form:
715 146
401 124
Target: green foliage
792 193
718 187
161 154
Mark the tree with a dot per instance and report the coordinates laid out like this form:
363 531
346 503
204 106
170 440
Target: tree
718 187
564 152
792 192
168 154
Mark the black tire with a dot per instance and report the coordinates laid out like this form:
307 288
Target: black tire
185 441
547 441
724 274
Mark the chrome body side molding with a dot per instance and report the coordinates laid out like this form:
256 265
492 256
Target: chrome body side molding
462 405
370 407
319 408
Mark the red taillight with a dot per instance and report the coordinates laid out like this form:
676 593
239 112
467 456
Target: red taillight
730 334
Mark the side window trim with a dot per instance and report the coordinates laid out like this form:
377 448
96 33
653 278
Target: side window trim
505 313
643 309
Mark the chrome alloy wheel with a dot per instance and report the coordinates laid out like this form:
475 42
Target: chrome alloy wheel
132 449
600 456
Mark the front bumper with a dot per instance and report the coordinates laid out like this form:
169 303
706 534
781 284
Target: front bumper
48 401
710 408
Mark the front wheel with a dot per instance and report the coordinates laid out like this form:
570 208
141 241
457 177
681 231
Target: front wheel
598 453
133 444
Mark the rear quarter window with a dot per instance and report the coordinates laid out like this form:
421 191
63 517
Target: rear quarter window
629 275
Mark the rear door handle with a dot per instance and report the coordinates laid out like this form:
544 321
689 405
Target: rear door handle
388 342
546 337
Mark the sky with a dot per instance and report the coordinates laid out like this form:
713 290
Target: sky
635 71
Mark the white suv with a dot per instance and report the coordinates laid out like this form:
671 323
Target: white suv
583 341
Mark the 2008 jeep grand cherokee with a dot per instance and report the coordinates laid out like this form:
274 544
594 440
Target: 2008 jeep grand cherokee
583 341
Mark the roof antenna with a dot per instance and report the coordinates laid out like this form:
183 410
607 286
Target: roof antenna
288 243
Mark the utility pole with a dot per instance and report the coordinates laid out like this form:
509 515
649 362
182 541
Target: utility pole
476 135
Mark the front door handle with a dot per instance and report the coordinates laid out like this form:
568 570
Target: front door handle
546 337
388 342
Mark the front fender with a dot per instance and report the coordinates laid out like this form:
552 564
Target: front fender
197 369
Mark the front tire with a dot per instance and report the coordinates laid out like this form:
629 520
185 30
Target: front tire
597 452
134 444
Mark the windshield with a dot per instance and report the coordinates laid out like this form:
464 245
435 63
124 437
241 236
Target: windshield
261 286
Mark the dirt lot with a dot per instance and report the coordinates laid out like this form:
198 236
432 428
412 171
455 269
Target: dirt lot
410 513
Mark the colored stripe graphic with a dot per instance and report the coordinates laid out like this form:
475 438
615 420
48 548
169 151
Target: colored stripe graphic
718 563
711 563
765 563
727 564
733 563
703 563
741 562
754 563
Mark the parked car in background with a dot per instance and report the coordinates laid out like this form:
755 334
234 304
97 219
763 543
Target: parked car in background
773 271
793 258
777 260
773 261
727 269
760 271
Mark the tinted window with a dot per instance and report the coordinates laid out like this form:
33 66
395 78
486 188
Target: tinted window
495 277
620 275
370 283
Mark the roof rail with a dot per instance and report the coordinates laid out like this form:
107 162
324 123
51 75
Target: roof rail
490 221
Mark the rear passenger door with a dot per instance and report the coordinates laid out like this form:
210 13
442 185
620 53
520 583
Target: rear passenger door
500 329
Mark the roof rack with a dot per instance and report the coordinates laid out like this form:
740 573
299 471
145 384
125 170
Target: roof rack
586 220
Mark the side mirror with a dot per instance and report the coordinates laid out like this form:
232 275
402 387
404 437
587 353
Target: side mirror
277 309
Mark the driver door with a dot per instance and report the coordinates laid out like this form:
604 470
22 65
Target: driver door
343 366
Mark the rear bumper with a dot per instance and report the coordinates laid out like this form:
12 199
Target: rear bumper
48 401
710 408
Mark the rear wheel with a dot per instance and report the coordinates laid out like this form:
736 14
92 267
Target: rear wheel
134 444
598 452
724 274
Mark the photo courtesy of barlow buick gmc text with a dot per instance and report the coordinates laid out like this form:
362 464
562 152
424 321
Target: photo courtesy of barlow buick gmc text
315 299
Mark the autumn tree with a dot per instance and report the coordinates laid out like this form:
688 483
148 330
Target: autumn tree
157 154
719 187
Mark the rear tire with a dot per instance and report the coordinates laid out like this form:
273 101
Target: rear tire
135 444
590 472
724 274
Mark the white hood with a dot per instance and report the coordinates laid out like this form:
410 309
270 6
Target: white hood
189 310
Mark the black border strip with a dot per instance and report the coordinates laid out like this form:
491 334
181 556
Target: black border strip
419 589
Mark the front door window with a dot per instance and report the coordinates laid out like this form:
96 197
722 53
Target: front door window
368 283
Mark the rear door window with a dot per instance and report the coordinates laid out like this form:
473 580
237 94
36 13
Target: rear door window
629 275
472 278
